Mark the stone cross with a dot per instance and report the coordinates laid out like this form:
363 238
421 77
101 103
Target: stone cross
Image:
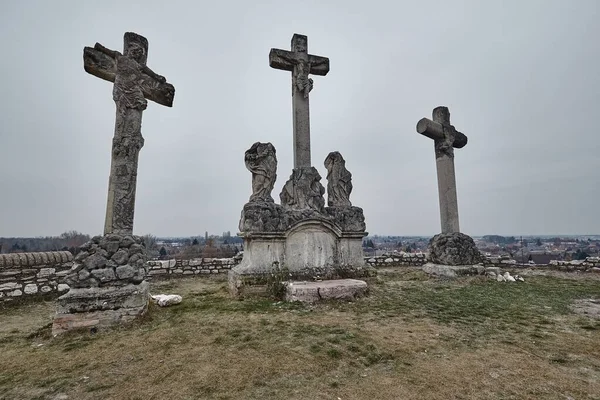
134 82
445 138
301 64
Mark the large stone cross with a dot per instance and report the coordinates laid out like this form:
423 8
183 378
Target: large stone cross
301 64
445 138
134 82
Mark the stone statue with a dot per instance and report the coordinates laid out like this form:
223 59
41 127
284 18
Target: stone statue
303 190
339 181
261 160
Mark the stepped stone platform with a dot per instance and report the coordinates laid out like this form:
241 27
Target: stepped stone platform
336 289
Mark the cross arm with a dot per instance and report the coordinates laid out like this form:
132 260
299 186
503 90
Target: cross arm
318 65
99 62
286 60
102 62
435 131
282 59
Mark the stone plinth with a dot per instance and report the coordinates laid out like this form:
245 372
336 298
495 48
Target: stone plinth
454 249
107 282
301 239
312 249
100 307
338 289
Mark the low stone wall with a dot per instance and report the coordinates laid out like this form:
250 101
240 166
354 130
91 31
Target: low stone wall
29 274
195 266
590 264
397 260
25 274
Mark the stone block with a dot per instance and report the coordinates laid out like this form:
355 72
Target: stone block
158 272
30 289
46 289
10 273
195 262
337 289
453 271
104 275
62 287
46 272
15 293
126 272
79 300
10 286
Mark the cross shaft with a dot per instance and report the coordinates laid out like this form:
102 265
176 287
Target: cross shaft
445 138
301 64
134 82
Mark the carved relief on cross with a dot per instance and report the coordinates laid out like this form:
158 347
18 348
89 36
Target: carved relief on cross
445 138
301 64
134 82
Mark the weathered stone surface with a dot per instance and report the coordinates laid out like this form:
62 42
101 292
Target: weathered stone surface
126 271
453 271
30 289
261 161
134 82
339 181
349 219
339 289
445 137
94 261
301 64
454 249
303 190
104 275
121 256
10 286
103 298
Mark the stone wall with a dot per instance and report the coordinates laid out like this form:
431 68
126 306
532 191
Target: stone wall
26 274
195 266
590 264
30 274
397 260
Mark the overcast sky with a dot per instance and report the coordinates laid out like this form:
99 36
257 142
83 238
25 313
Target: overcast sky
521 80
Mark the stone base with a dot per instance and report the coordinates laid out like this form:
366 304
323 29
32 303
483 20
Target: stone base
100 307
310 250
339 289
273 282
453 271
453 249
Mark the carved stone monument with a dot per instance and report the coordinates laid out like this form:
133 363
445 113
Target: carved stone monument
449 247
107 279
299 239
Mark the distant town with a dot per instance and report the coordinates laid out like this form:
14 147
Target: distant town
526 249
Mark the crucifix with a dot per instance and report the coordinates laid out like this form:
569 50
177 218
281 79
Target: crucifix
301 64
134 82
445 138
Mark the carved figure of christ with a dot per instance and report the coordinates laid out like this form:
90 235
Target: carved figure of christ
134 82
301 64
445 138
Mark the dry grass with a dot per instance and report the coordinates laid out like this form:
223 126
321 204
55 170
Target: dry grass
412 338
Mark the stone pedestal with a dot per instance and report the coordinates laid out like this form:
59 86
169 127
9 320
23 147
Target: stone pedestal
301 239
100 307
107 284
453 249
310 250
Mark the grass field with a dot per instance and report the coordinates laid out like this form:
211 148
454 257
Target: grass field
412 338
